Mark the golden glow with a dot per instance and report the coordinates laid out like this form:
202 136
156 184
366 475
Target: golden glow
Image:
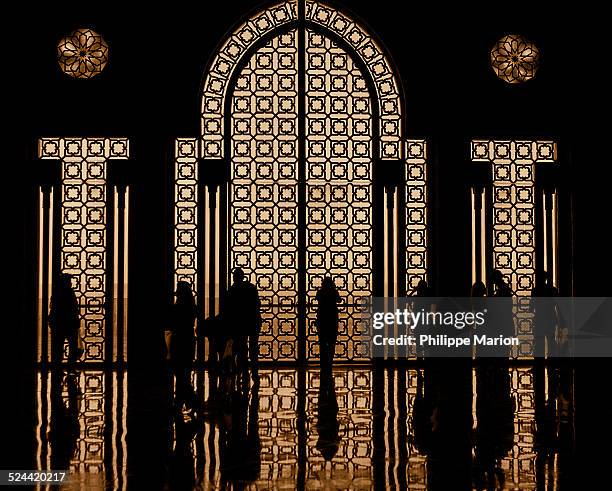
514 59
186 212
513 214
416 213
82 54
83 227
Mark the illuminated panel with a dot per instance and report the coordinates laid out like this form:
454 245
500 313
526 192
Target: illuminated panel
351 465
223 65
263 189
83 227
185 212
520 463
338 189
378 66
513 234
416 213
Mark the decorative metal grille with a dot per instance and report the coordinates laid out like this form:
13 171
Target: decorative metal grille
263 189
416 213
338 189
222 67
513 219
83 241
186 212
378 66
263 192
514 59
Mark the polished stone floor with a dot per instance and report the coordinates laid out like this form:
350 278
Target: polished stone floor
436 427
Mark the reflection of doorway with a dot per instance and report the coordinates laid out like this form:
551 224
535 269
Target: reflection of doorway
301 172
83 232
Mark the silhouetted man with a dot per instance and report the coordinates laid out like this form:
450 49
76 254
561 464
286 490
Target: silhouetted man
545 322
64 320
244 319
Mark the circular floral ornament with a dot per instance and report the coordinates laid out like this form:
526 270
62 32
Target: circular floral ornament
82 54
515 59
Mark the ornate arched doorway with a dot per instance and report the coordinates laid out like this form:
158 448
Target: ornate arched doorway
301 171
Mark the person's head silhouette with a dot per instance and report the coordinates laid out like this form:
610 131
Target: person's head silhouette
422 289
498 278
238 275
328 283
479 289
183 292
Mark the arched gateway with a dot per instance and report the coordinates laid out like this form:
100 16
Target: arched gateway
301 170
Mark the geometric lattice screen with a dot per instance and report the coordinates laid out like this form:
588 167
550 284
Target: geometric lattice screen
513 215
339 207
416 213
263 189
297 172
83 227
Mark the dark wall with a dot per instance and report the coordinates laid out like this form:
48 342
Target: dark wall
150 93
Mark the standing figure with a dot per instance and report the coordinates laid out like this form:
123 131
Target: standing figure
64 320
243 317
546 317
327 321
182 319
504 306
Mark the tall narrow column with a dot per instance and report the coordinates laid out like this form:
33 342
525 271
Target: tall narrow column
302 331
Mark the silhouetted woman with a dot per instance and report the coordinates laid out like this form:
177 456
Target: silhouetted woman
64 319
182 319
327 321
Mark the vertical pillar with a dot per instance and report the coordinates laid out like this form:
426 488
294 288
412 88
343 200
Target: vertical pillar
301 103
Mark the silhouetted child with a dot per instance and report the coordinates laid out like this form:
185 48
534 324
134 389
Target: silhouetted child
182 319
64 320
327 321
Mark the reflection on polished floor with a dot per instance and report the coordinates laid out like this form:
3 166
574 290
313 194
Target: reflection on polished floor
438 427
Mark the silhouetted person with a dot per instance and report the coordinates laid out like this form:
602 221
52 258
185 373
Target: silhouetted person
327 418
64 320
421 301
243 316
327 321
182 319
546 319
503 310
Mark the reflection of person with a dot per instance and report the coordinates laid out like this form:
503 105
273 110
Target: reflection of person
327 418
495 432
64 429
240 446
327 321
243 317
183 315
64 320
